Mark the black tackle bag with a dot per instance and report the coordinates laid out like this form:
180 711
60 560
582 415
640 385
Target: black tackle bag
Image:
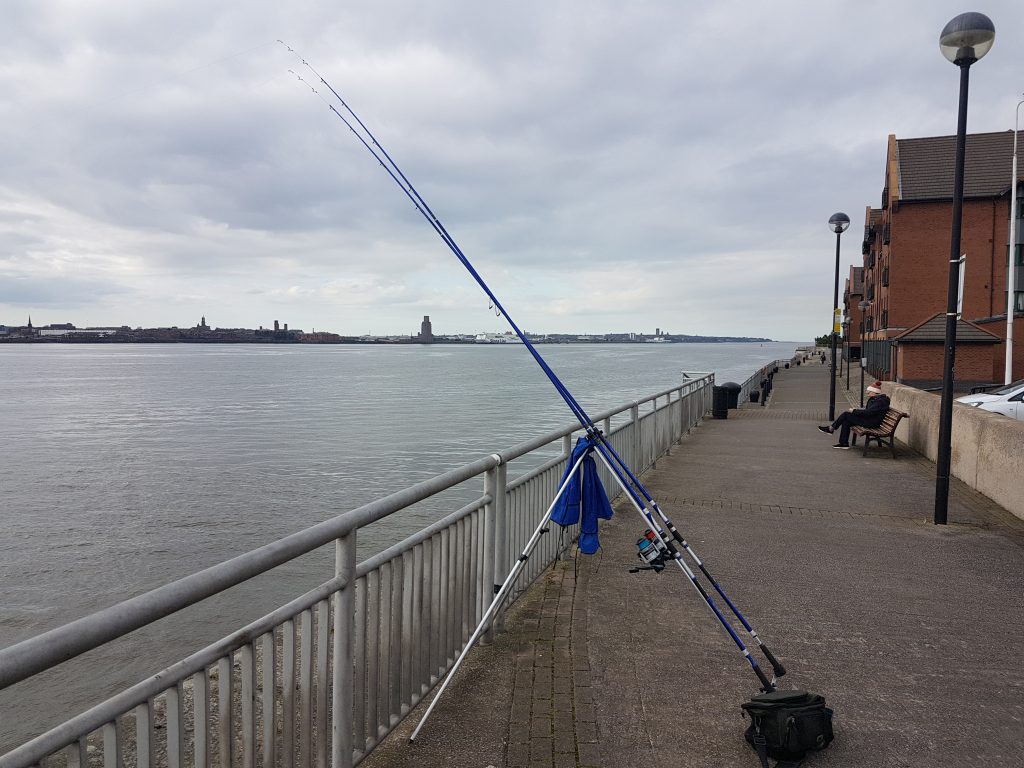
787 725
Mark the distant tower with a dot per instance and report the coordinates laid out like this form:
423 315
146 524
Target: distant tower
276 327
30 322
202 324
657 331
426 331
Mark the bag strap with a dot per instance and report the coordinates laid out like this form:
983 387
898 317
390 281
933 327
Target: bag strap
761 745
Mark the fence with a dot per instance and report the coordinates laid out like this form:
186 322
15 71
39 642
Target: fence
323 679
753 384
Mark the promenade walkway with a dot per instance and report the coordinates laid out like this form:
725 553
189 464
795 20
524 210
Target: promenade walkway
910 630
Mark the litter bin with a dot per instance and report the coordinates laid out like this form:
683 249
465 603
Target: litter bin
787 366
719 402
734 393
754 394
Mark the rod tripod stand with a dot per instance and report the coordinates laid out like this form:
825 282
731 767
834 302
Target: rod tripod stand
503 592
666 547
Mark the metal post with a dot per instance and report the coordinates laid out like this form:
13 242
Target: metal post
344 643
846 338
863 365
946 405
495 544
1012 253
835 307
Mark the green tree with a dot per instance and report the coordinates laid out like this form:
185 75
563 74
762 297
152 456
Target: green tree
823 341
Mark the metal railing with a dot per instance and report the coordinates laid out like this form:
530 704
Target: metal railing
753 384
324 678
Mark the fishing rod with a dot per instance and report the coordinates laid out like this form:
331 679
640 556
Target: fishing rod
643 500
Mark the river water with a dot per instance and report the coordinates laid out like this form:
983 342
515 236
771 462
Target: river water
127 466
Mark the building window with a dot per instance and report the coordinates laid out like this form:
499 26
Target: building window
885 318
1018 301
870 323
885 277
1019 254
871 293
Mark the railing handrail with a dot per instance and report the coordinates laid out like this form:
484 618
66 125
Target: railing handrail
33 655
32 751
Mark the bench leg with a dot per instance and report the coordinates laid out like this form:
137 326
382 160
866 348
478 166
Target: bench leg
867 442
892 445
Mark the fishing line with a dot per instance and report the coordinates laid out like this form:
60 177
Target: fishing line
626 479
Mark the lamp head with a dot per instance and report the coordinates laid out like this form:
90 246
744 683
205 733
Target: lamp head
967 38
838 223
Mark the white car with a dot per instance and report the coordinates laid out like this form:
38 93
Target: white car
1008 400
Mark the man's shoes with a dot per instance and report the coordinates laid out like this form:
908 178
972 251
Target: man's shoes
841 447
827 429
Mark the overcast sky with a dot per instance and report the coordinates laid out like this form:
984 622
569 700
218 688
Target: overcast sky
606 166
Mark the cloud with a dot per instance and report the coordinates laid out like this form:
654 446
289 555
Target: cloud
606 167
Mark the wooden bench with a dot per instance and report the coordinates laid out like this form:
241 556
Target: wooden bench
883 434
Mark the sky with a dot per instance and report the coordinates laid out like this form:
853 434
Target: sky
606 167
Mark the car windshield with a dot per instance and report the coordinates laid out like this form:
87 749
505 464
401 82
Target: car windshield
1007 389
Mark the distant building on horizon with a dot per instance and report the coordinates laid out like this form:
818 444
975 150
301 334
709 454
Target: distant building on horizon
426 335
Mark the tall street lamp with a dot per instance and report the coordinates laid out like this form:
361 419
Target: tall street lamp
1011 303
838 224
963 41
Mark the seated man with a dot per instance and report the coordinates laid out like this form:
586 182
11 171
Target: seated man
871 415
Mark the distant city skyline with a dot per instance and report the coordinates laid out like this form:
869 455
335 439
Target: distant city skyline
277 325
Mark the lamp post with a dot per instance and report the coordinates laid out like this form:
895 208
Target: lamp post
963 41
1011 303
863 307
838 224
846 349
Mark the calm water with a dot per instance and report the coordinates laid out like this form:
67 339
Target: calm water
126 466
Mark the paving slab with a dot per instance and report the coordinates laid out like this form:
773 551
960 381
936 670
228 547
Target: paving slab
910 630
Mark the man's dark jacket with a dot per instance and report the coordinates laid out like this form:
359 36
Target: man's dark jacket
871 415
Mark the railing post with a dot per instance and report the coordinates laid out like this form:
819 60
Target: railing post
499 546
490 543
683 428
344 643
634 415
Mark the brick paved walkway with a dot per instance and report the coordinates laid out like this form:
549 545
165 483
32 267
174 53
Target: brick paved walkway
909 629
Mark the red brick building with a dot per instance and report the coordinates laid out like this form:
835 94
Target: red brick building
853 331
906 259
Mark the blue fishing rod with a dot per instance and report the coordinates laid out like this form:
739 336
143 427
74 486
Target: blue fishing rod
643 501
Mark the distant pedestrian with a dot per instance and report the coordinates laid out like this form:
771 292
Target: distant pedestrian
871 415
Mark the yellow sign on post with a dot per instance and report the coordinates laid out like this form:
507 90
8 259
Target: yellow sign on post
837 325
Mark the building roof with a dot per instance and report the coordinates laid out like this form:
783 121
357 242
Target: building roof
933 330
925 166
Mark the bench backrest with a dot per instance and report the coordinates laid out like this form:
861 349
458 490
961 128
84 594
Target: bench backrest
892 418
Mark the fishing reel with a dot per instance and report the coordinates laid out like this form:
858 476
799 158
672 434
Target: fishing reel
653 551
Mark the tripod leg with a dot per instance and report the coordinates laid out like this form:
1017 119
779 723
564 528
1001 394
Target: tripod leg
500 596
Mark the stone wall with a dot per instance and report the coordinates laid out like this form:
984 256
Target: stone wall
987 449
